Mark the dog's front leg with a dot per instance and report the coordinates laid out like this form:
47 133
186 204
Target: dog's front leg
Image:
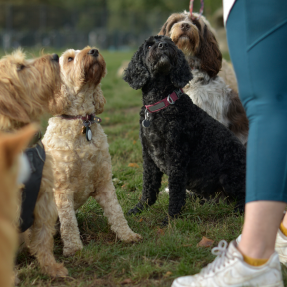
177 162
151 183
105 195
69 226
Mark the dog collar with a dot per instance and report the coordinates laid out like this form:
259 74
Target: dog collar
169 100
88 120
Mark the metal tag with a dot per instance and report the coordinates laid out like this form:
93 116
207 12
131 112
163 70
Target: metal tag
83 130
145 123
88 134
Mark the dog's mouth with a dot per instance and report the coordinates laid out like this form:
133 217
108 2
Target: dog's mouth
163 65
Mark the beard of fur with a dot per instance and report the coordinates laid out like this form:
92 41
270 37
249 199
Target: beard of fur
188 42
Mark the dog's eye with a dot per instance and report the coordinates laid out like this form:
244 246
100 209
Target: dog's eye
20 67
70 59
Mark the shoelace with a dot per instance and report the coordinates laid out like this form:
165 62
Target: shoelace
222 258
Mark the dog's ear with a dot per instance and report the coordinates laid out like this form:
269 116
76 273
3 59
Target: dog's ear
136 74
180 73
12 144
99 100
9 106
163 30
209 53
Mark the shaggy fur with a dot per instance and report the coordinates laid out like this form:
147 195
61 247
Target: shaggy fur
207 90
184 142
10 147
26 91
82 168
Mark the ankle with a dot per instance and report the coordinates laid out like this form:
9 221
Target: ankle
255 252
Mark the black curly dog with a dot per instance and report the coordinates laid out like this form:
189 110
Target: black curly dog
195 151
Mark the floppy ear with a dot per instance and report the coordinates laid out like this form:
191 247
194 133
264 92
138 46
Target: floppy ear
9 107
99 100
209 53
163 30
136 74
180 74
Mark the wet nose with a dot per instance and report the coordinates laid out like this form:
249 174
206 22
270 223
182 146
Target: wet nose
185 26
55 57
94 52
162 45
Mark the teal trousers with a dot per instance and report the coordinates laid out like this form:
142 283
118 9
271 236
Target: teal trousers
257 40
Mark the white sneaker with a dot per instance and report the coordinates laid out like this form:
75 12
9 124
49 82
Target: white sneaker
281 246
229 269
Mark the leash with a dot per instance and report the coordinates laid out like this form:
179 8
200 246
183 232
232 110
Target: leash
169 100
88 120
200 10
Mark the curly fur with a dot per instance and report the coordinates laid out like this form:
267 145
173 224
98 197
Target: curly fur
26 91
183 141
82 168
10 147
195 37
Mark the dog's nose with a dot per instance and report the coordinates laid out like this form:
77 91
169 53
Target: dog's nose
185 26
55 57
94 52
162 45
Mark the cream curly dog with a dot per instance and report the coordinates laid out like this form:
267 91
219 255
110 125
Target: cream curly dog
27 89
82 163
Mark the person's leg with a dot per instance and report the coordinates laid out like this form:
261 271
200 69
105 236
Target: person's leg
257 53
262 220
257 37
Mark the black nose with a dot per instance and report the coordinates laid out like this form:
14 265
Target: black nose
94 52
184 26
162 45
55 57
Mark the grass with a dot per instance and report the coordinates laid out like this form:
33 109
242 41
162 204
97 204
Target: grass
164 253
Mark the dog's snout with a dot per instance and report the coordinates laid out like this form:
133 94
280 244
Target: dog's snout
184 26
162 45
94 52
55 57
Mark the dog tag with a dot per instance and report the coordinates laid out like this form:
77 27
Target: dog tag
83 130
88 134
145 123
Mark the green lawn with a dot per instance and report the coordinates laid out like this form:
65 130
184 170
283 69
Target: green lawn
164 253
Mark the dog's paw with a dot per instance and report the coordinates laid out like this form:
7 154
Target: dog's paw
72 249
131 237
56 270
136 210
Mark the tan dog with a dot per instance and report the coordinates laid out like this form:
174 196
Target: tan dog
26 90
82 167
195 37
10 147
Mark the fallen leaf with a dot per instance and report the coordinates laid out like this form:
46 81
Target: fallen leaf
141 220
205 242
133 165
123 186
167 274
127 281
160 231
107 119
134 142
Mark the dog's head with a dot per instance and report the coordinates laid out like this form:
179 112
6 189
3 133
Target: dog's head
81 73
27 87
195 38
158 56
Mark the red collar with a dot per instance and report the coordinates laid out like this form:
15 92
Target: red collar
88 118
169 100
